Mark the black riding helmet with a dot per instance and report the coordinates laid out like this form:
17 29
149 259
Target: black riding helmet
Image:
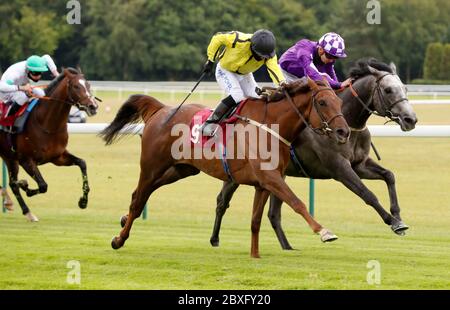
263 43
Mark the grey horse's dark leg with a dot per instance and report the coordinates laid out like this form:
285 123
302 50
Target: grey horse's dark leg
223 203
347 176
67 159
373 171
274 215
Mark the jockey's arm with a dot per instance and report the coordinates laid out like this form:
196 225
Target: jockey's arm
217 41
7 86
332 78
313 73
51 65
274 70
8 81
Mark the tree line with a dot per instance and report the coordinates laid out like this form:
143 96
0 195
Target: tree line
167 39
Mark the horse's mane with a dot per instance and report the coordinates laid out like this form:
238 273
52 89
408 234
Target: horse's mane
54 83
293 88
361 67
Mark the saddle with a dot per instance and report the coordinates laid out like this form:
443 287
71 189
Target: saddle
201 116
15 123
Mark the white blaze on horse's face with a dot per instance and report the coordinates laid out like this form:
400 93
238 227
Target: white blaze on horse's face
88 94
394 90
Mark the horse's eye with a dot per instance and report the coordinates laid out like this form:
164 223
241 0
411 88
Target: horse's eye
322 103
388 90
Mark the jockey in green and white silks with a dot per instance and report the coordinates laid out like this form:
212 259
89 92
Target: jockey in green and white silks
15 82
239 55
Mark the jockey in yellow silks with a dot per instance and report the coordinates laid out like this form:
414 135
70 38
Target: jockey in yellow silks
239 55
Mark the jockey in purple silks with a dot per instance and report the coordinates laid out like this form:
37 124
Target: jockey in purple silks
315 59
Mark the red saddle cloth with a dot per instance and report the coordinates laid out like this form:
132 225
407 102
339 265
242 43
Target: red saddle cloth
9 121
197 139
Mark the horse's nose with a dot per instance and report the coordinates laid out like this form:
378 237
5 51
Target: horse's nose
342 134
409 121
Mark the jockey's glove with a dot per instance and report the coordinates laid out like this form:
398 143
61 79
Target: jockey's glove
207 67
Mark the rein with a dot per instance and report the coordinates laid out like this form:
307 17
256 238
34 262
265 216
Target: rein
70 102
325 128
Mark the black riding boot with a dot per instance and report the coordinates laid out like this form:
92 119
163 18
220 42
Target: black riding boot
210 125
13 108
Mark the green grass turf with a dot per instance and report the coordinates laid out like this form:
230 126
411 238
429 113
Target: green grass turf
170 250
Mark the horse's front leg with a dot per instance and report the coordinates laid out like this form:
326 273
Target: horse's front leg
372 171
259 202
274 182
67 159
13 170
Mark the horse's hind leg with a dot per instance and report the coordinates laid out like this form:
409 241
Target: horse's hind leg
275 219
9 205
31 168
68 159
223 203
146 186
13 170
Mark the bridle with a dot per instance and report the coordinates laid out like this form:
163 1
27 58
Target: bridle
325 124
77 102
385 104
70 101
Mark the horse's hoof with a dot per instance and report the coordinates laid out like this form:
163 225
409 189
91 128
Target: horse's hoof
326 235
82 203
115 243
123 220
256 255
31 217
287 248
399 228
214 242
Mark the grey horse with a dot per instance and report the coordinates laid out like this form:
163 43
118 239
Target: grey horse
377 89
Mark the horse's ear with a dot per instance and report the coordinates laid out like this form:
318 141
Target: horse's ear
79 69
67 72
374 71
312 85
326 81
393 67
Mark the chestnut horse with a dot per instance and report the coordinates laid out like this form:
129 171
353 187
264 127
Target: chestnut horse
44 138
311 105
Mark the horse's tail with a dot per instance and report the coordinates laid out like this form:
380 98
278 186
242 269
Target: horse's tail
135 108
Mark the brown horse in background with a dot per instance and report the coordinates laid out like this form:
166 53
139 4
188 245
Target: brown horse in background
311 105
45 137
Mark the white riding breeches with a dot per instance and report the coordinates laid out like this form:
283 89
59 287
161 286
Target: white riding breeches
289 76
19 96
237 85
